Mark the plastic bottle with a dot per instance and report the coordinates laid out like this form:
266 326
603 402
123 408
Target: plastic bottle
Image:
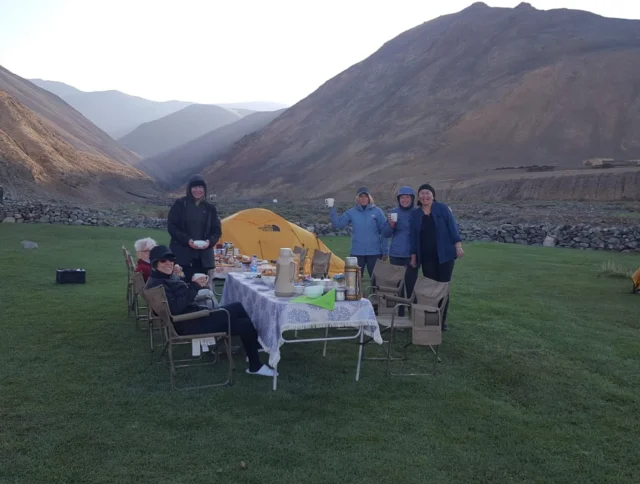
254 263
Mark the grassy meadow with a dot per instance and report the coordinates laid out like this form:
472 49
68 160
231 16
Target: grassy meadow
539 382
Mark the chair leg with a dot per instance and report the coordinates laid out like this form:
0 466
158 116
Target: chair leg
326 334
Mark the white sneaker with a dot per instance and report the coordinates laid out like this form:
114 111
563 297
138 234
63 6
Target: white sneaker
263 371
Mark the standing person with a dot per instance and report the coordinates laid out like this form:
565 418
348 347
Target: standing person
435 241
400 233
366 221
192 218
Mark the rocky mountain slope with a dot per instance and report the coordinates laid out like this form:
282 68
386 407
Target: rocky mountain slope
69 123
176 129
453 99
35 157
173 167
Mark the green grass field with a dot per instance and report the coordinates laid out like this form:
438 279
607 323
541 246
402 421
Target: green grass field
540 382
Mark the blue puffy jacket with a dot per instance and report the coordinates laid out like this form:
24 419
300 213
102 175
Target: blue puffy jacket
366 223
401 234
447 233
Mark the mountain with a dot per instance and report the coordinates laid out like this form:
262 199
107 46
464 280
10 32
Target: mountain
115 112
36 158
453 100
177 128
77 130
256 106
173 167
119 114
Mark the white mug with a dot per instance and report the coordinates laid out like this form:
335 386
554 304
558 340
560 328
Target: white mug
199 275
329 202
393 217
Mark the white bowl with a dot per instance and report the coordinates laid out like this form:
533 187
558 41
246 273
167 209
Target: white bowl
269 280
313 291
200 243
298 290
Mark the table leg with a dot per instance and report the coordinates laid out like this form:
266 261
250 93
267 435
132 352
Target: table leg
360 354
326 334
275 378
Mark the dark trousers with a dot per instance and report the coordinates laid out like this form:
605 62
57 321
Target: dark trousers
194 268
410 276
432 269
241 326
367 260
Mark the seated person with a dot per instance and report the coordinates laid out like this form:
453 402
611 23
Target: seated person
181 298
143 248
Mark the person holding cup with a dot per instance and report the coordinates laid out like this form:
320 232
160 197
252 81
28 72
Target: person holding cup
182 300
398 229
366 220
435 240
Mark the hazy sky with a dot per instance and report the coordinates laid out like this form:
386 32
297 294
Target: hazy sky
217 50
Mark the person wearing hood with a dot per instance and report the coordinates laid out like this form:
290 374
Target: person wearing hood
366 221
182 299
435 240
399 231
192 218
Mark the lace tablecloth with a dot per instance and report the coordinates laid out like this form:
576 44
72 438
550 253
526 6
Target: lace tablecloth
273 315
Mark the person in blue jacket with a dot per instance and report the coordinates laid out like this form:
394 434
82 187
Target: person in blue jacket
435 240
400 234
366 220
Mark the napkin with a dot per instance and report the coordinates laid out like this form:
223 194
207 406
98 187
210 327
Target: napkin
328 301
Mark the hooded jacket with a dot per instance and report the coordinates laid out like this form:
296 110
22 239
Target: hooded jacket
186 218
401 234
366 223
447 234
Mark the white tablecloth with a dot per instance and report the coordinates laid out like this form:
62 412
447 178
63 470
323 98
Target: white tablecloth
273 315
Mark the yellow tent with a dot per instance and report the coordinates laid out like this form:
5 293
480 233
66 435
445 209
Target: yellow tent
264 233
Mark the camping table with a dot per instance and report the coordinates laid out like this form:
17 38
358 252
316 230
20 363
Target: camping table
272 316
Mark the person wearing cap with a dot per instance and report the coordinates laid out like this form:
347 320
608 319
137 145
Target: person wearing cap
181 297
192 218
435 240
367 220
399 231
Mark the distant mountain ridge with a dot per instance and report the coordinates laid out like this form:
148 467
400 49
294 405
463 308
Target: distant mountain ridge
172 168
118 114
170 131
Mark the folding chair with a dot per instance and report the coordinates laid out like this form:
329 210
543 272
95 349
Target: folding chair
141 311
157 301
302 256
128 260
427 306
385 293
320 264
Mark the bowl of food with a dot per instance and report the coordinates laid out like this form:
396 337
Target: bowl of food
313 291
200 243
269 281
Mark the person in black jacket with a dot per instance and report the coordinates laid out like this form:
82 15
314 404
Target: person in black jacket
193 218
181 298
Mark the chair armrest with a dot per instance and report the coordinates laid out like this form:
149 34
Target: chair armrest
397 299
189 316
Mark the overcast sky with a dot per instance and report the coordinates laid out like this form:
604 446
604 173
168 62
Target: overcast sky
217 50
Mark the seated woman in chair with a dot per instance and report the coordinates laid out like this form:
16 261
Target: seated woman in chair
143 249
181 298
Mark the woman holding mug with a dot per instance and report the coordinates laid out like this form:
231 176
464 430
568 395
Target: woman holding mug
366 221
435 240
398 229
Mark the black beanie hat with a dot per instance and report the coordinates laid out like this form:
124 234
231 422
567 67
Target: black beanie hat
426 186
